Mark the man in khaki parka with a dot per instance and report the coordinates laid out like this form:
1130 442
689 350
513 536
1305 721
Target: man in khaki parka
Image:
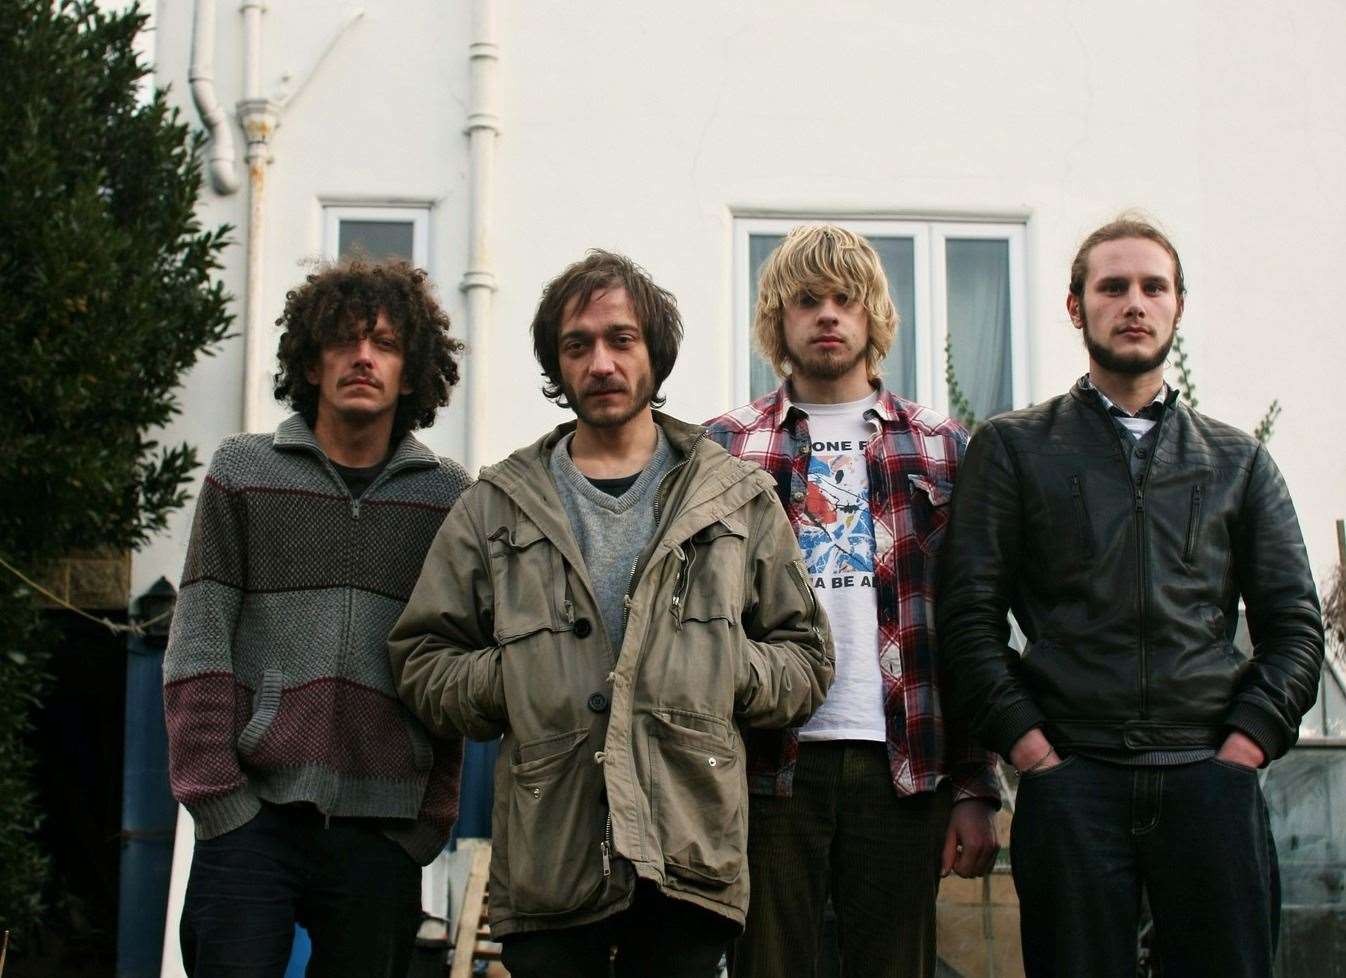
616 600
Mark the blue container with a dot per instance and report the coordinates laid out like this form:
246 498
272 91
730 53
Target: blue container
149 816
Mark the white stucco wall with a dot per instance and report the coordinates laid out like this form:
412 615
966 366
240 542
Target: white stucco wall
645 128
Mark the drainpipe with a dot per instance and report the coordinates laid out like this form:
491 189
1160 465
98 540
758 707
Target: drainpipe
201 76
479 284
259 116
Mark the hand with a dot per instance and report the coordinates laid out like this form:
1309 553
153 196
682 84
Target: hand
1033 752
970 844
1239 748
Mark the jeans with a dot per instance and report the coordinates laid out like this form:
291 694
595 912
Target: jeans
844 830
1088 836
355 891
656 937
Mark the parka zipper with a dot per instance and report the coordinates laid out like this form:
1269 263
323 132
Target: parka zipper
605 848
1193 521
658 517
683 587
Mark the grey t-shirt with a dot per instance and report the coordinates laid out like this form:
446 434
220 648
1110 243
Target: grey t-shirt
611 530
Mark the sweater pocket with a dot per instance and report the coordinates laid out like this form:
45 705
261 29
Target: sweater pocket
265 707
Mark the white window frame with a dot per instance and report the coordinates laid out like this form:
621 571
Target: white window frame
417 216
930 300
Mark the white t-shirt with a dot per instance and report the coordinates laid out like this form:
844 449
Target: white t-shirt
837 538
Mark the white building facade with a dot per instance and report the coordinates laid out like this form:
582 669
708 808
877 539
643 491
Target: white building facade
976 141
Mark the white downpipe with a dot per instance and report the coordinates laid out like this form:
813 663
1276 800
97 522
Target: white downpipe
260 117
220 159
479 284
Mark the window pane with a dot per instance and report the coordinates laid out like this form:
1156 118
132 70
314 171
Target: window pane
762 378
977 277
376 239
897 256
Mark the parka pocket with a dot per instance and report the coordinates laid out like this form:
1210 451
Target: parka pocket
265 706
529 580
556 824
709 585
930 511
697 798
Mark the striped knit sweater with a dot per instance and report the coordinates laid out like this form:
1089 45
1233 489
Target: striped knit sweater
276 678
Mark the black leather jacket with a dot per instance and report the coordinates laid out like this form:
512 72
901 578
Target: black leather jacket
1127 590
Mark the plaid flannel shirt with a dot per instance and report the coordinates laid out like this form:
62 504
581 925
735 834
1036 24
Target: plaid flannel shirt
912 460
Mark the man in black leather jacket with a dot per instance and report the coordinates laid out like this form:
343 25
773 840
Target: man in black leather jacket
1122 528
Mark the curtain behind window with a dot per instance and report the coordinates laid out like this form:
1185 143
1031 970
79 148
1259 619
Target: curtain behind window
977 276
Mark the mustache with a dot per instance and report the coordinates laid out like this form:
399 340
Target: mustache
1133 324
360 379
605 388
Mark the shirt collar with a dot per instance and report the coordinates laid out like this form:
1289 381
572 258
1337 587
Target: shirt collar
1152 409
784 412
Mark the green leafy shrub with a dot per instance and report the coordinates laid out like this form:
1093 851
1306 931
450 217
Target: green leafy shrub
106 299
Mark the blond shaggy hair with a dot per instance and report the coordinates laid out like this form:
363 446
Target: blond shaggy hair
817 259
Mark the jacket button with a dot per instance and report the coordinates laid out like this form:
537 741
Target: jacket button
797 495
598 702
1141 453
583 628
805 448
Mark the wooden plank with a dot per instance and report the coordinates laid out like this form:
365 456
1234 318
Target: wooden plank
465 945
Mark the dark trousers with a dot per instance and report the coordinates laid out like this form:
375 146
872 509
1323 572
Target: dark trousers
1088 836
844 830
656 937
355 891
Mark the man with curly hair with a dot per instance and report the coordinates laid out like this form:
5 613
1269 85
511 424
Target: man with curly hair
316 795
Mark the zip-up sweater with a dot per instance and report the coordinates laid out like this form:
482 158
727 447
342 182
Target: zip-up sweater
276 678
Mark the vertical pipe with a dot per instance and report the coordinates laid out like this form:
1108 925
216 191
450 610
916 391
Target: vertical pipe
479 283
259 117
201 78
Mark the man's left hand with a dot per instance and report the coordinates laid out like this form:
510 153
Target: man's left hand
1239 748
970 844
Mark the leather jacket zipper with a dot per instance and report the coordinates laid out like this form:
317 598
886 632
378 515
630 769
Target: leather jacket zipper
1193 521
1082 510
1142 562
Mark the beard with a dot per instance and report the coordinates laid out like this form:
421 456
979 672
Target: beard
1123 363
616 415
825 365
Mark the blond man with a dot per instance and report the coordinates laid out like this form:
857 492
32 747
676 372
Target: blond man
878 795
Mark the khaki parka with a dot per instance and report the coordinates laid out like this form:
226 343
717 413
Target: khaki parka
615 763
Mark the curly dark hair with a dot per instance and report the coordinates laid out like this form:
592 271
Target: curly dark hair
342 301
655 308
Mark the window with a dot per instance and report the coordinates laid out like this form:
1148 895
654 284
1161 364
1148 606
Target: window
377 233
954 283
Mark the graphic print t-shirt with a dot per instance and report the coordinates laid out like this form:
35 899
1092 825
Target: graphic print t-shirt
837 538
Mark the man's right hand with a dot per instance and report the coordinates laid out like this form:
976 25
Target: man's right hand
1033 752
